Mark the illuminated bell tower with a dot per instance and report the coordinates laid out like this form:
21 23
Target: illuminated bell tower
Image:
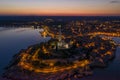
60 33
59 44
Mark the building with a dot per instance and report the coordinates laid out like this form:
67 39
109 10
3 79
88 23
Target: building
61 44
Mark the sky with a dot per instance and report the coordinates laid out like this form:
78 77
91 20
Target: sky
60 7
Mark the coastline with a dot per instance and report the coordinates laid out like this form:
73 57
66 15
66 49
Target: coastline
64 73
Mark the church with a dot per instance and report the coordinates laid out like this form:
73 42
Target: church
61 44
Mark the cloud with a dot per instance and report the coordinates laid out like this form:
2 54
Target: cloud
114 1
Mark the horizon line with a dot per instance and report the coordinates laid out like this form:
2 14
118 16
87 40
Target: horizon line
59 15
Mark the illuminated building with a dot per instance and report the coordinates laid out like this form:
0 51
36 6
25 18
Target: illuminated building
61 43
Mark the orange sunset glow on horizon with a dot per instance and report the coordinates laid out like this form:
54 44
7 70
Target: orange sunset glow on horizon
60 7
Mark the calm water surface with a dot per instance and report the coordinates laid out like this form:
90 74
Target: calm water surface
12 40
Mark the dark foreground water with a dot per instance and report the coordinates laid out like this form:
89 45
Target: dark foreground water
12 40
